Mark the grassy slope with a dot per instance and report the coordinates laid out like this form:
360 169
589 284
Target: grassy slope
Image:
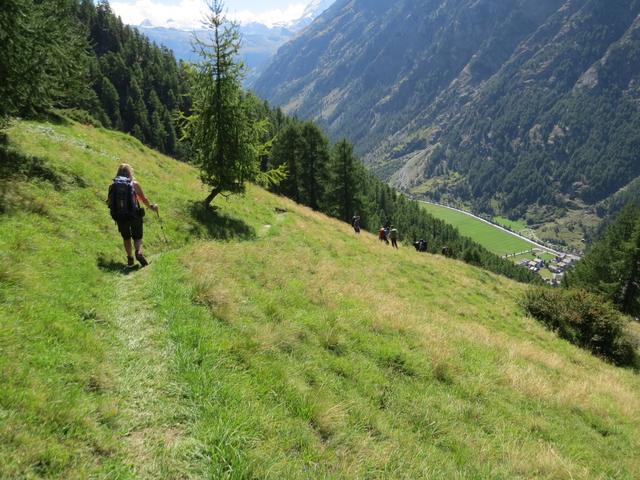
493 239
265 345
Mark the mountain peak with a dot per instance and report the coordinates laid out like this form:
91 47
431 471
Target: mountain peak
312 11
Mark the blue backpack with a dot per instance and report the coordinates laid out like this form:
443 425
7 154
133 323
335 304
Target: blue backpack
122 200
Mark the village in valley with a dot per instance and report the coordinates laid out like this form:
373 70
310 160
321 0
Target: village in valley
551 268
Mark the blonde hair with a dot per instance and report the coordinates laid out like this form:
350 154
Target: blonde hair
125 170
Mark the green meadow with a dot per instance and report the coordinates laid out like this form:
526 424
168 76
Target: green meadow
515 225
493 239
256 346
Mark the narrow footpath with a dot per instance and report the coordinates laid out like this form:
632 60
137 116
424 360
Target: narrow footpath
153 430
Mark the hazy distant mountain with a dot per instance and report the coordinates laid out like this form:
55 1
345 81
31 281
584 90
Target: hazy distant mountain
313 10
260 42
507 105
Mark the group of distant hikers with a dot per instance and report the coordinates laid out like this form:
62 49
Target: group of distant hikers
388 232
389 235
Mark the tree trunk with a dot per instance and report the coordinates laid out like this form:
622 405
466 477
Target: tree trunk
211 196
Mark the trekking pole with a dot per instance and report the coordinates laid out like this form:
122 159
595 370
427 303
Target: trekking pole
162 227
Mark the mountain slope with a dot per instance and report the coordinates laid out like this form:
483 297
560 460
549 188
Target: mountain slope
257 345
532 103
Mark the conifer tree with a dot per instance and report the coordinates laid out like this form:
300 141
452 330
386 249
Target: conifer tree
110 102
171 140
43 60
287 150
222 134
346 181
314 165
612 267
630 291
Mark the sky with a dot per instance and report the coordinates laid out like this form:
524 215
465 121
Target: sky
187 14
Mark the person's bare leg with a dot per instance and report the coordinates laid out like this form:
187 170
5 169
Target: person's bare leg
138 244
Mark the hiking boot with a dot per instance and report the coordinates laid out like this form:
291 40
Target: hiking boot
130 262
143 261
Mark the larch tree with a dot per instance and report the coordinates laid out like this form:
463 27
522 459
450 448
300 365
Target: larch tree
287 151
224 138
314 170
346 181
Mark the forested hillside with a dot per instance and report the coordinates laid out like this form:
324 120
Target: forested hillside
612 267
523 108
140 87
73 54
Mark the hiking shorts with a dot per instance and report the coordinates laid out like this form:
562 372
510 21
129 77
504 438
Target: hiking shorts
130 228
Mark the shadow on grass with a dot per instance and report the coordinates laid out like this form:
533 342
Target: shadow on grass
17 167
210 223
14 163
55 116
111 266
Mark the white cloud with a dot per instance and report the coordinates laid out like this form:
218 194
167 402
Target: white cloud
188 14
270 17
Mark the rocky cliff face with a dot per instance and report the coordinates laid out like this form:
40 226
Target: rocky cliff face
521 102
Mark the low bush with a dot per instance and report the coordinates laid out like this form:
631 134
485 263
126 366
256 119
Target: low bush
585 319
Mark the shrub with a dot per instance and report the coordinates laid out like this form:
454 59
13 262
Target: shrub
585 319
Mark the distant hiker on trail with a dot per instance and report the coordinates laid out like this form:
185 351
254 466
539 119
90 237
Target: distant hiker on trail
445 251
355 223
382 235
420 245
393 235
123 201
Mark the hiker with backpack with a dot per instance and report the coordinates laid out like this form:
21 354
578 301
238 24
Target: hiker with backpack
393 236
123 200
382 235
420 245
355 223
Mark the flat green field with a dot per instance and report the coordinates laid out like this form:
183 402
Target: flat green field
515 225
493 239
